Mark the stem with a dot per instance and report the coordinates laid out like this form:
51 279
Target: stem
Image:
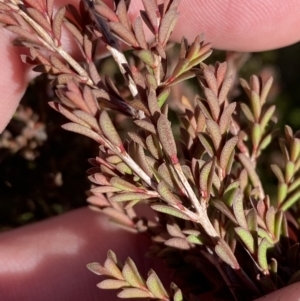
199 206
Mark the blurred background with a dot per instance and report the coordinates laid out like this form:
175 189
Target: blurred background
43 168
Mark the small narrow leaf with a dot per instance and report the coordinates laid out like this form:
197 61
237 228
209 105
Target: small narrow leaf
57 22
213 103
246 238
238 209
226 117
166 138
227 150
129 196
224 252
109 130
134 293
170 210
270 220
112 284
214 131
132 275
155 286
224 209
262 254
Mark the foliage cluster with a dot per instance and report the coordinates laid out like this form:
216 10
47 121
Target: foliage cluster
203 181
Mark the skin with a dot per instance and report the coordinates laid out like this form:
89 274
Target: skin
46 261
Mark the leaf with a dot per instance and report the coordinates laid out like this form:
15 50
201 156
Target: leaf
139 33
132 275
227 151
250 169
278 224
206 175
39 18
162 97
124 33
252 220
226 117
278 173
256 105
247 112
114 270
109 130
166 138
155 286
289 171
129 196
153 14
265 90
270 219
262 254
98 269
112 284
147 57
291 200
213 103
246 238
79 129
57 22
166 194
170 211
167 26
134 293
106 12
266 118
214 131
226 85
146 125
224 209
224 252
238 209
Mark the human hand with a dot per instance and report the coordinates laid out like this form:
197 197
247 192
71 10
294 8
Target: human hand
46 261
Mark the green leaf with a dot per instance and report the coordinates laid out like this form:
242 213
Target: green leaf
290 201
224 209
114 270
255 135
256 105
98 269
170 211
278 173
270 220
278 224
227 151
295 149
207 143
266 118
147 57
134 293
282 192
246 238
289 171
238 209
155 286
250 169
162 97
132 275
166 194
252 220
224 252
112 284
247 112
129 196
262 254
